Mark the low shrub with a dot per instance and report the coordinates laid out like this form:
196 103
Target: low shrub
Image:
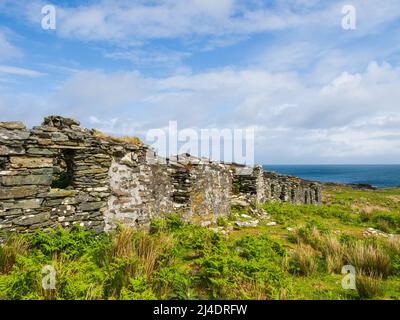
221 221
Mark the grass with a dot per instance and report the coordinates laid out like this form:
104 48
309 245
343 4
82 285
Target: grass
334 253
369 259
299 258
369 285
9 251
303 260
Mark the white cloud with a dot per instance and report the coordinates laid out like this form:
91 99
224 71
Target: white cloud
130 22
19 71
311 96
126 21
355 116
7 50
161 58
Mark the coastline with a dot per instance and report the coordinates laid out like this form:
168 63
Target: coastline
369 177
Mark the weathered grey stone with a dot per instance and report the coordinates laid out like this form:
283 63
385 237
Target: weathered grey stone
7 135
32 219
48 224
11 150
63 210
44 142
30 162
58 193
91 171
90 206
24 204
25 180
40 171
59 122
40 151
12 125
247 224
11 212
237 202
17 192
59 137
53 202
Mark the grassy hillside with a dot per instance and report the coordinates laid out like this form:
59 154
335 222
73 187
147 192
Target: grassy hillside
294 252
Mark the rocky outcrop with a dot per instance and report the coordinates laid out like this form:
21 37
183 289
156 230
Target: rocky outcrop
61 174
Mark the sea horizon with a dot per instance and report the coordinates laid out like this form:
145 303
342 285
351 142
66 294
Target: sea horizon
376 175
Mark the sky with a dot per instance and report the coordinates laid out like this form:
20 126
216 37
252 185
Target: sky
314 92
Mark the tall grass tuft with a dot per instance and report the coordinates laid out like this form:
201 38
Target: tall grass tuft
334 253
9 251
122 243
369 259
148 250
392 246
302 260
141 248
369 285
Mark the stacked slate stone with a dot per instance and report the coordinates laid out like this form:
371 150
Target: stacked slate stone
153 186
255 184
292 189
246 181
207 187
181 181
141 188
54 174
61 174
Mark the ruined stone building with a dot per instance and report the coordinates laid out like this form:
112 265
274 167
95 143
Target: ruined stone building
61 174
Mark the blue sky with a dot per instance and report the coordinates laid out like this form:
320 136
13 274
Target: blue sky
314 92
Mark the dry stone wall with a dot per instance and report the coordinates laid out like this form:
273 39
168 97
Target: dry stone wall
141 188
291 189
261 186
61 174
53 174
144 186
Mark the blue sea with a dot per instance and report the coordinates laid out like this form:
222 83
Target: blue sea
380 176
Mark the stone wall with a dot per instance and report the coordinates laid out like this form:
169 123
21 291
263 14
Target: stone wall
61 174
144 186
261 186
207 187
139 189
53 174
291 189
